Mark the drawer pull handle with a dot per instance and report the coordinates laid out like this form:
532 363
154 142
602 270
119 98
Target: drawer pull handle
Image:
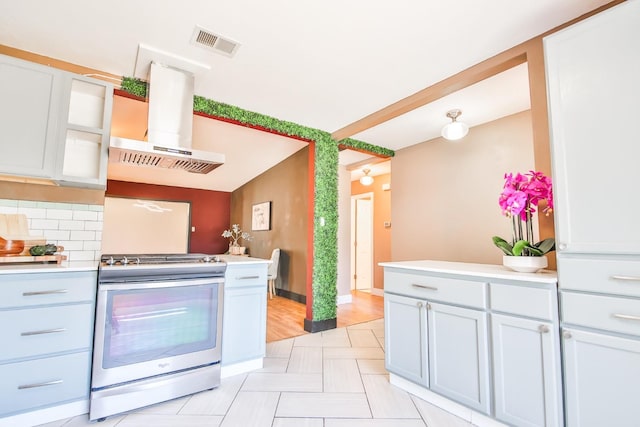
626 316
45 331
431 288
543 329
247 277
22 387
627 278
56 291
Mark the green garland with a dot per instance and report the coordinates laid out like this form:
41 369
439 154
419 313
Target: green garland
325 228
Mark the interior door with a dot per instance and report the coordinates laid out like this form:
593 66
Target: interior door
363 242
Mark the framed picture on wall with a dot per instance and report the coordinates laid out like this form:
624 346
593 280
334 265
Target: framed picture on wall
261 216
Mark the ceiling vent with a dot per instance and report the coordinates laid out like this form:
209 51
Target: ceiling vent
215 42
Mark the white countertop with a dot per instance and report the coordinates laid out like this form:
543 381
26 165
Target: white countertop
35 267
240 259
469 269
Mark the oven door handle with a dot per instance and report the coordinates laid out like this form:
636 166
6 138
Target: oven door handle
159 284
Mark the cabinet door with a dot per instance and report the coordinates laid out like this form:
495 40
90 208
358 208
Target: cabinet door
28 114
458 355
84 132
526 369
593 86
601 376
244 324
405 338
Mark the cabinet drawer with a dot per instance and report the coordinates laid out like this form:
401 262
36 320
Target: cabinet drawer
621 277
37 331
455 291
523 300
246 276
43 382
22 290
601 312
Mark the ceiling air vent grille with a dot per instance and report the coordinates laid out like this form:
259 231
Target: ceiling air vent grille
209 40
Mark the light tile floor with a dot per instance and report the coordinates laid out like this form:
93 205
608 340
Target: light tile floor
334 378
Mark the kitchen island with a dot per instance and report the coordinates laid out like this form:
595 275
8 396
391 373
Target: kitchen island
477 340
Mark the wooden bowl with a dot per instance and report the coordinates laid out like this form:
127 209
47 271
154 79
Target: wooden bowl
11 247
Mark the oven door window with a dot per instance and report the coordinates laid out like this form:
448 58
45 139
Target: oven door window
150 324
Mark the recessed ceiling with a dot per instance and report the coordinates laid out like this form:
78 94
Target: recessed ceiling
323 65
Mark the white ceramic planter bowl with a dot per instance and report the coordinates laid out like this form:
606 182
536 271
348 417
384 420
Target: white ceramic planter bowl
524 264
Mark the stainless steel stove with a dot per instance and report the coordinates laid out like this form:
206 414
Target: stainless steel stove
158 329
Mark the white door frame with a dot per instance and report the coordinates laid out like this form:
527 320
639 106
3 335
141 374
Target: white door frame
354 227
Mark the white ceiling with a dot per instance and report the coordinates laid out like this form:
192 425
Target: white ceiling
323 64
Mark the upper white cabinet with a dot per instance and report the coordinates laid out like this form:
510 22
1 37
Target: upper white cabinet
84 131
593 91
53 124
29 96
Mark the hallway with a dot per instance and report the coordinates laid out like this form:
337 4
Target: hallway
285 318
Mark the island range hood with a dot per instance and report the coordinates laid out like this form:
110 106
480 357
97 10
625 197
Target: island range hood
170 126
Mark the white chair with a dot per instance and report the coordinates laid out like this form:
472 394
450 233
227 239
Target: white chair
272 272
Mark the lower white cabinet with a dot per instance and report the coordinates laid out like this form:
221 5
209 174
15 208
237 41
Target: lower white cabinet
527 386
483 337
601 379
406 338
458 356
244 316
47 331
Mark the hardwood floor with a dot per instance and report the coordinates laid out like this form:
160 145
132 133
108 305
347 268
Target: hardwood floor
285 318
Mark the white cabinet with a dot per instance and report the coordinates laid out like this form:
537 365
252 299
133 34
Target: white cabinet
54 124
593 86
47 329
244 318
406 337
458 355
29 96
83 138
601 373
481 336
526 354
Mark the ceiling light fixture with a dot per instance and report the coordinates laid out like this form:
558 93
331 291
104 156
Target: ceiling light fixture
366 179
454 130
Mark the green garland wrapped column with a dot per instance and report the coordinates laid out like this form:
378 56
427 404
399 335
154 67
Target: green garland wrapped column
325 237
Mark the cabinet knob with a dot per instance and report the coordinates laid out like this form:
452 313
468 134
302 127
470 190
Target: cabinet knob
562 246
428 306
419 304
543 329
566 334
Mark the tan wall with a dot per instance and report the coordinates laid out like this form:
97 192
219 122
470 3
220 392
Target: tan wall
445 194
286 186
381 213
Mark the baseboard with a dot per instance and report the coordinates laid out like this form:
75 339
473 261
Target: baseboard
377 292
47 415
319 325
461 411
241 368
344 299
291 295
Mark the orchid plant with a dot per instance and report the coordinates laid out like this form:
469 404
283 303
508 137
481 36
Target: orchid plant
520 197
235 234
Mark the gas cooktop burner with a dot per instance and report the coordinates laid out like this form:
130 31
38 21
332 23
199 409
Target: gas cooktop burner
138 259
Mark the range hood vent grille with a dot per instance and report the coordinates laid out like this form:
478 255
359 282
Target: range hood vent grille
211 41
139 158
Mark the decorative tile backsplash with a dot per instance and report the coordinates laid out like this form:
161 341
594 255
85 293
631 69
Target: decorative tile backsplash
77 227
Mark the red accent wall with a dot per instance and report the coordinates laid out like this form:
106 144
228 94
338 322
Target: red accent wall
210 210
